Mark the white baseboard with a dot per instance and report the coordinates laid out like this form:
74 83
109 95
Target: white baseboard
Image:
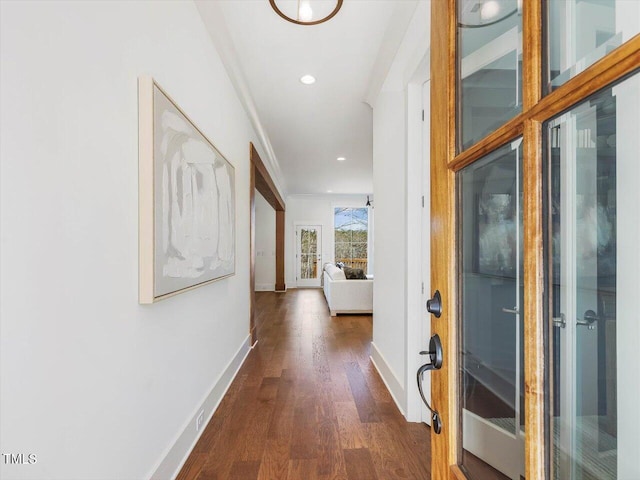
394 386
177 455
265 287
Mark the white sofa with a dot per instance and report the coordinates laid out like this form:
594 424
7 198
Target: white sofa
346 296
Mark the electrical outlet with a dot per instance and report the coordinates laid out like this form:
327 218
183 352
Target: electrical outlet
199 420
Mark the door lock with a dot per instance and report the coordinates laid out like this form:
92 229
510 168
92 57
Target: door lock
590 319
434 352
435 363
560 321
434 305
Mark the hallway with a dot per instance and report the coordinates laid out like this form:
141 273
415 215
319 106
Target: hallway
308 404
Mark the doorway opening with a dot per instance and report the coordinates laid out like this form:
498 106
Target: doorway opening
261 181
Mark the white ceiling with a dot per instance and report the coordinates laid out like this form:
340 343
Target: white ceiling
305 128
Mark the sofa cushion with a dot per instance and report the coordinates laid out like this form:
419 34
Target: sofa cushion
354 273
334 272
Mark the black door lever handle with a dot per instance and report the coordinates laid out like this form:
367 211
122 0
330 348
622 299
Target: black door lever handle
435 357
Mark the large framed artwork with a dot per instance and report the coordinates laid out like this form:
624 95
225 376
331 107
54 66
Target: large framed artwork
186 201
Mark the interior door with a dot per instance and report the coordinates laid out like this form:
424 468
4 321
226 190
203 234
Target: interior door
309 255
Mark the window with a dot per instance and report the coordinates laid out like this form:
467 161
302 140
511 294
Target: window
591 162
351 229
581 32
490 67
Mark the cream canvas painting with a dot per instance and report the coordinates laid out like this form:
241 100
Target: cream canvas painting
187 220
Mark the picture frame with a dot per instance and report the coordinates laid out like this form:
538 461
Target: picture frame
186 201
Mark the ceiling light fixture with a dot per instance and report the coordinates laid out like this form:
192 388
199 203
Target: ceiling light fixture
341 159
489 10
308 79
305 13
482 13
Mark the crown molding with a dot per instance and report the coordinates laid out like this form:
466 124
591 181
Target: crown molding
213 19
391 41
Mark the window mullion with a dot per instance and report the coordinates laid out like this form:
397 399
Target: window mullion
532 30
534 353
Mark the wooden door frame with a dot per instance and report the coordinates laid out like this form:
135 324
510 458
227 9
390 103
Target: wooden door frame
444 165
259 179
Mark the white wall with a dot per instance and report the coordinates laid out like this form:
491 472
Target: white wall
399 167
313 210
265 245
389 305
94 384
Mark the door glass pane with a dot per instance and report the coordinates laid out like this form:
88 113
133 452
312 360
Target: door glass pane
308 253
489 66
580 32
491 333
593 239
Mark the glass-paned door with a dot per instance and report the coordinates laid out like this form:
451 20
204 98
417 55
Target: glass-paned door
592 245
309 255
491 333
535 246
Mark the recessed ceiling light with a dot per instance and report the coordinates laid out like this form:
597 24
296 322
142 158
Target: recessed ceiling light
329 191
341 159
308 79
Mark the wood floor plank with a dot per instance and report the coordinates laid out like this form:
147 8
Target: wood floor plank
330 458
376 386
340 391
320 363
421 450
365 403
359 464
275 459
260 419
232 437
244 471
257 364
304 438
210 435
408 441
192 467
303 469
281 421
276 364
308 404
352 433
385 455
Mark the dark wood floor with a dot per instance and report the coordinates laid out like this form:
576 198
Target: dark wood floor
309 404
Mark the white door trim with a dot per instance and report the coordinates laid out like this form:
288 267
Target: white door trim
418 322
